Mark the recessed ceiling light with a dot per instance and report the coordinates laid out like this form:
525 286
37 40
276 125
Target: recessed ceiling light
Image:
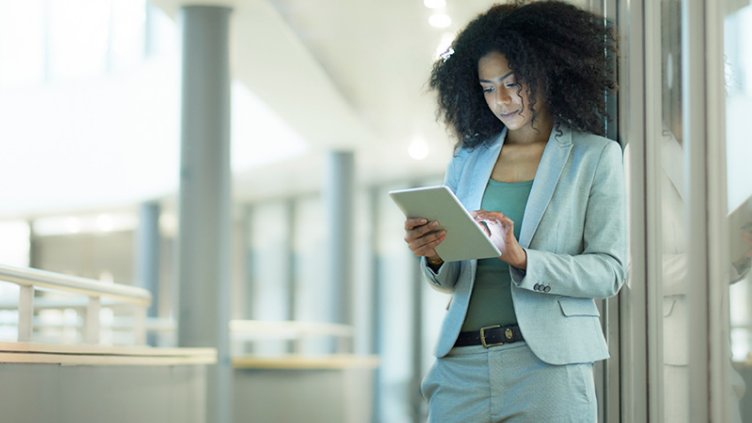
418 149
104 223
72 225
439 20
434 4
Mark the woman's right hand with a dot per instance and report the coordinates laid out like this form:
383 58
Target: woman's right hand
423 236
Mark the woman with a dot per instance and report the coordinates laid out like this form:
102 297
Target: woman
522 88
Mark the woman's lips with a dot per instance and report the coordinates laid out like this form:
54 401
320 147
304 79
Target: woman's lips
510 114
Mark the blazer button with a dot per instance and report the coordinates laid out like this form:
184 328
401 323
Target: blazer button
547 288
536 287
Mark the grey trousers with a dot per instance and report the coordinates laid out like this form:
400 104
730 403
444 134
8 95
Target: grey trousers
507 383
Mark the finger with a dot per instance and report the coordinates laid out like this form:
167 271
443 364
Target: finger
414 222
422 230
427 239
502 218
480 213
484 226
488 215
506 226
428 228
426 246
497 214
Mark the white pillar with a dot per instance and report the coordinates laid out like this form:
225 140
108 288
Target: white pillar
204 204
338 203
148 257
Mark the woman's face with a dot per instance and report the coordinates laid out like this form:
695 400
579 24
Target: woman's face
506 97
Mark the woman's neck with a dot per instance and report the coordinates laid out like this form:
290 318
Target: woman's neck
533 133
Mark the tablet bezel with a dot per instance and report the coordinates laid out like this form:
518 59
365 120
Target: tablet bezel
465 239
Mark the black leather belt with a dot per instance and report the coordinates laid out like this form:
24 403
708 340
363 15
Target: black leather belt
489 336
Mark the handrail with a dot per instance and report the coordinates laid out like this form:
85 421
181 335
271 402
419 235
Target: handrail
28 279
287 329
60 304
292 330
74 284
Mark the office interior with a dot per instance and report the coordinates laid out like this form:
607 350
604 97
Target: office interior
231 161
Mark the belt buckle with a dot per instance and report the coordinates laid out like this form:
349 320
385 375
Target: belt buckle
483 336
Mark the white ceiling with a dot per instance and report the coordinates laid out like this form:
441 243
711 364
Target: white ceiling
341 74
344 75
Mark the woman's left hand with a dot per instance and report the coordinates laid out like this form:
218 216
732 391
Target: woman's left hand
500 229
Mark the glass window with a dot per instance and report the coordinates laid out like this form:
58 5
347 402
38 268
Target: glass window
21 42
79 37
127 29
363 268
313 301
161 35
673 193
269 247
738 72
395 280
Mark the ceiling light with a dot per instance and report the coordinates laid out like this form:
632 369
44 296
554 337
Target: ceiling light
72 225
104 223
439 20
418 149
434 4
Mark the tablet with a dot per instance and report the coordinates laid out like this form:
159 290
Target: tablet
465 239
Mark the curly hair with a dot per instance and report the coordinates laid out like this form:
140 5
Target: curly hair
550 45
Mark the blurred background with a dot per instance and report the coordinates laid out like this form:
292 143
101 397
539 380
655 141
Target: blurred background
90 99
233 159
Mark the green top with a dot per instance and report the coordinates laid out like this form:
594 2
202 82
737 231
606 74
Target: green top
491 300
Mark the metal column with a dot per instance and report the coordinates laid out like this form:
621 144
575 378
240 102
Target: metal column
148 257
377 301
338 203
204 203
694 129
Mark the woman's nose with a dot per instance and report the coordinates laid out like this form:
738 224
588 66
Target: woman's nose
502 97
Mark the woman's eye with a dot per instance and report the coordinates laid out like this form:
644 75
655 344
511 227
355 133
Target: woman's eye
487 89
512 85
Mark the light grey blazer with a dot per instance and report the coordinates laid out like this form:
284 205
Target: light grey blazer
574 232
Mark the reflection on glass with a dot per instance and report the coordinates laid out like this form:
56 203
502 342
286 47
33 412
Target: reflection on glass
738 72
674 234
673 195
313 301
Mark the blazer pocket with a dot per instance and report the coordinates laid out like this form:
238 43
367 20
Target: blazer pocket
571 306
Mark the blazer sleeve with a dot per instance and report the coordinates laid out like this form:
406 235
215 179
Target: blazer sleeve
446 278
600 269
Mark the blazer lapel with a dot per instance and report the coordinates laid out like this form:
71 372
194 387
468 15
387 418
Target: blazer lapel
552 163
481 171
